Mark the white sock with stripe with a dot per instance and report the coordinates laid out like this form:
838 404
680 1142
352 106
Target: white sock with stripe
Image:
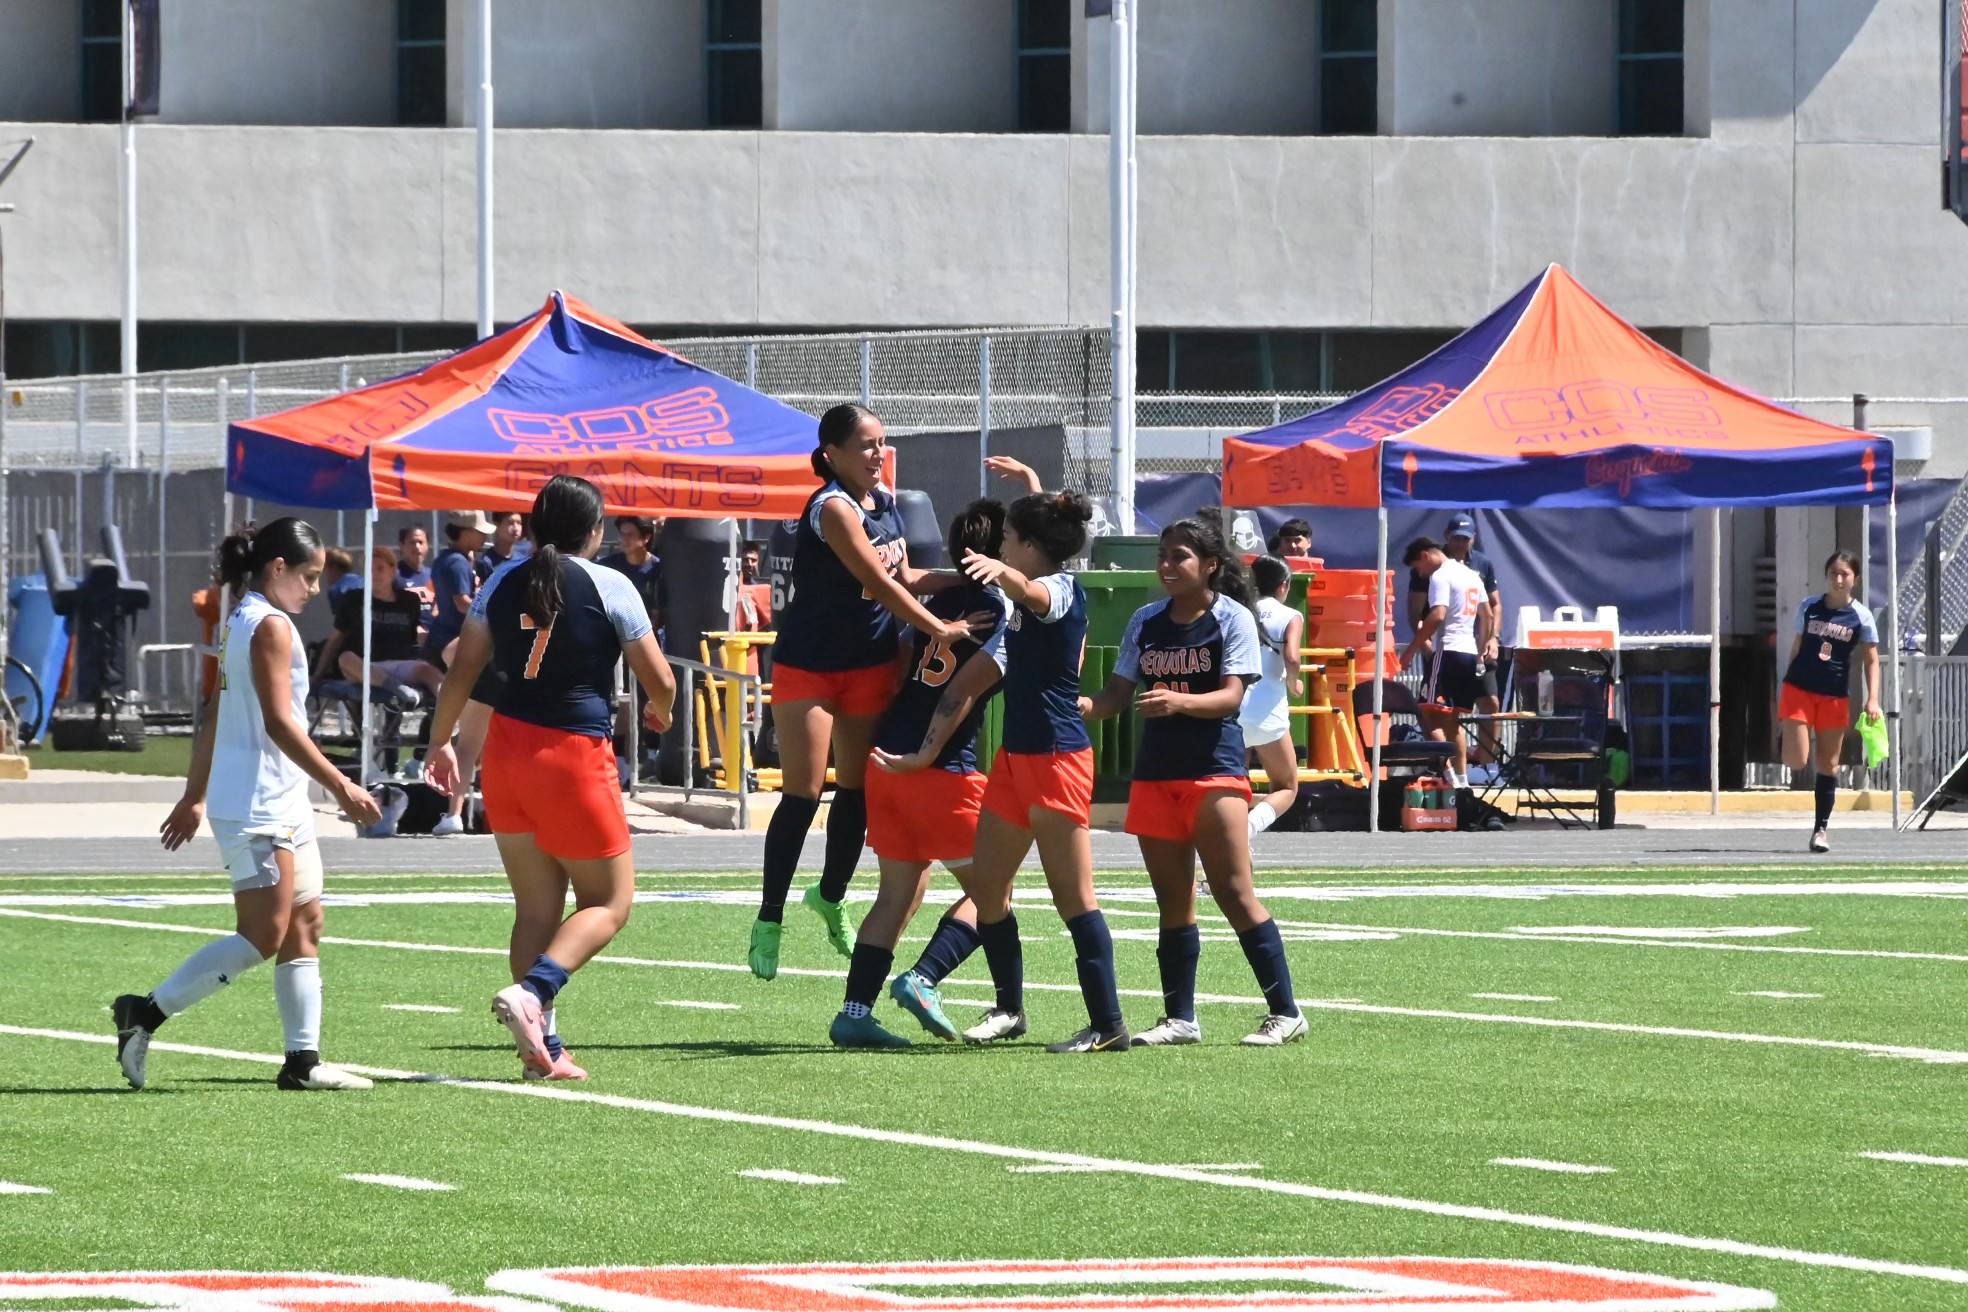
205 972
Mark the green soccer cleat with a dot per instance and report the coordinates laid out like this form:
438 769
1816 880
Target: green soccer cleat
764 956
921 1000
862 1032
836 922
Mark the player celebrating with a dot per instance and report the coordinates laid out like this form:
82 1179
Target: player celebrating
1459 623
1197 651
1266 715
923 800
250 768
554 625
833 668
1041 785
1815 698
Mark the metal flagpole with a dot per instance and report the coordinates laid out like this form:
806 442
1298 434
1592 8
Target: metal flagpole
1893 641
1120 183
484 168
128 159
368 636
1379 671
1714 609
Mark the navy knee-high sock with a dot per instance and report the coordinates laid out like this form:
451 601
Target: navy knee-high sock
1177 954
866 971
1265 951
847 834
1827 797
545 981
785 835
1006 958
1093 948
949 947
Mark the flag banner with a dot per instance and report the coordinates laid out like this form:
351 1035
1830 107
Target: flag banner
146 44
1954 100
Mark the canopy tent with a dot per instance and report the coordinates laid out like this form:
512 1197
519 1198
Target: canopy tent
566 391
1554 400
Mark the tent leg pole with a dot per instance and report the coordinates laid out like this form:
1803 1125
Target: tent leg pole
1892 600
1379 671
368 646
1715 660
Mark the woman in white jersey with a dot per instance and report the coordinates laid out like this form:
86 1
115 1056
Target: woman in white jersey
1266 714
250 769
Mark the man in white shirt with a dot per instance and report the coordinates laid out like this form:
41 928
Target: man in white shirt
1461 622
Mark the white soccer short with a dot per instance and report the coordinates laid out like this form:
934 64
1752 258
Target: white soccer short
248 853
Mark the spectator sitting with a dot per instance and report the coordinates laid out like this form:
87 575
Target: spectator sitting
455 581
1293 538
338 574
638 559
394 616
507 530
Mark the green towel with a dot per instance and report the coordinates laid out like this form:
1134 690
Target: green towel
1872 732
1619 767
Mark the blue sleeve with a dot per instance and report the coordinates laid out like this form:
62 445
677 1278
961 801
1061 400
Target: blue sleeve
1059 597
1803 610
621 601
994 646
1868 623
1129 665
485 593
1242 655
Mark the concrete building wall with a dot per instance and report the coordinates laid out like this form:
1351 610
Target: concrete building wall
1503 68
299 61
582 63
891 65
40 60
1234 68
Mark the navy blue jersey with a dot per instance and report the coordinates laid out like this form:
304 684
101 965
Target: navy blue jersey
563 676
1198 656
1042 672
933 664
830 623
1829 633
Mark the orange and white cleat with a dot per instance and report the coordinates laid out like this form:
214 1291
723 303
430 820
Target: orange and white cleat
519 1011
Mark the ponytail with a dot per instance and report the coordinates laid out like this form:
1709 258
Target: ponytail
838 425
565 516
1054 522
246 553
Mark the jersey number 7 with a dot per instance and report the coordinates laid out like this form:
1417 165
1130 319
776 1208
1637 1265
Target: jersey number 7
539 650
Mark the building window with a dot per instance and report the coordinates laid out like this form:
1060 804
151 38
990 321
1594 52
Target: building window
102 61
1650 54
420 89
1349 67
1045 65
734 64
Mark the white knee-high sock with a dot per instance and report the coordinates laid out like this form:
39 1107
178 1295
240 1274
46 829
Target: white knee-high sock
297 990
205 972
1262 817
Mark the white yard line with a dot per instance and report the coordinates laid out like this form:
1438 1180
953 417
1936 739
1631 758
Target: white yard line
1183 1174
1937 1056
1094 1170
790 1177
420 1006
1777 993
694 1006
1698 945
1514 997
410 1182
1540 1164
9 1187
1916 1159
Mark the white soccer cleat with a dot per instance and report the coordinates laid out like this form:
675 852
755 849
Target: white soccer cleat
1820 843
519 1011
1169 1032
325 1077
448 825
996 1026
1277 1031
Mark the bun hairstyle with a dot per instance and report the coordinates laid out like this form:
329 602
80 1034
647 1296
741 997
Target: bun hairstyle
242 557
838 425
978 527
1269 574
565 516
1054 522
1202 533
1850 558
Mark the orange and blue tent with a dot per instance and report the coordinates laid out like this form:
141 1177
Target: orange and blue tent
1554 400
566 391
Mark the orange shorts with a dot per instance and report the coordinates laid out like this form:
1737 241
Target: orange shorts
560 787
1057 781
866 691
928 815
1822 713
1166 808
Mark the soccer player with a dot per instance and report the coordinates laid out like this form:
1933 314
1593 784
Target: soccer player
923 798
250 769
1460 624
555 626
1815 698
1196 652
1266 715
834 667
1041 785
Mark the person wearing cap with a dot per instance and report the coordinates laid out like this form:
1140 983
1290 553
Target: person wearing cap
1459 544
454 580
